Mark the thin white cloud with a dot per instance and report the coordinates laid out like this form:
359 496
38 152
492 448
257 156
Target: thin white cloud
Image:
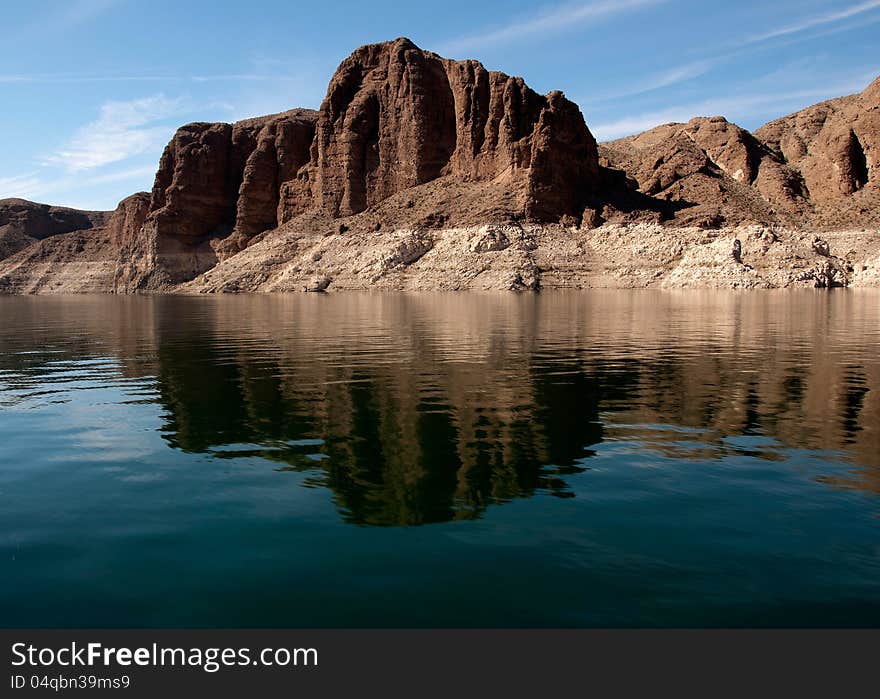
688 71
123 130
67 78
70 16
816 21
672 76
246 77
547 22
694 69
122 176
737 106
80 11
32 186
20 186
859 23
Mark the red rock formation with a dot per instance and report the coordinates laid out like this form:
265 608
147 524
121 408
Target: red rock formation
124 223
277 147
408 139
396 117
820 165
214 178
193 193
711 167
835 144
216 188
133 252
78 261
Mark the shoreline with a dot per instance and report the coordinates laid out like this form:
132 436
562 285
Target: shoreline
304 257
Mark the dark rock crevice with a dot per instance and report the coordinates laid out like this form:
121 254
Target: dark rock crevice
859 162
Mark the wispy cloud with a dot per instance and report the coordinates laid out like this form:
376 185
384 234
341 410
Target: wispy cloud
666 78
123 130
737 106
80 11
70 78
121 176
792 33
120 146
69 16
21 186
34 186
547 22
63 78
815 21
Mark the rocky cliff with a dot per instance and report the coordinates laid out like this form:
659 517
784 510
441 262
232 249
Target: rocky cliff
217 187
712 172
396 117
419 171
817 168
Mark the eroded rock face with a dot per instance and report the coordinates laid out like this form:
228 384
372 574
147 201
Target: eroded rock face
124 223
194 192
819 166
125 233
396 117
711 165
835 144
658 158
277 148
406 140
78 261
217 187
214 178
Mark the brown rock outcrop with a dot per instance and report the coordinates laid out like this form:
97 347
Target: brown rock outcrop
277 148
78 261
216 188
125 221
819 166
193 193
396 116
711 168
835 144
214 178
23 222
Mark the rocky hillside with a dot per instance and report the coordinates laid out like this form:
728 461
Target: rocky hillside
819 167
711 172
22 223
835 146
423 172
79 261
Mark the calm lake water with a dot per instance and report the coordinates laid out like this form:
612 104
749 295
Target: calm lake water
564 459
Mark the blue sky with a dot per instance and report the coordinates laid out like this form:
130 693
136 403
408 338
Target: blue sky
93 89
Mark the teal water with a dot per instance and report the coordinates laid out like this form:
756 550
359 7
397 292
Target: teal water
564 459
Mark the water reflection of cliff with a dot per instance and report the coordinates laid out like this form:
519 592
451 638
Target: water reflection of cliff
409 422
425 408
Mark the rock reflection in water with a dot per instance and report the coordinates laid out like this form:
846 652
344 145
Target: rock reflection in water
429 407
